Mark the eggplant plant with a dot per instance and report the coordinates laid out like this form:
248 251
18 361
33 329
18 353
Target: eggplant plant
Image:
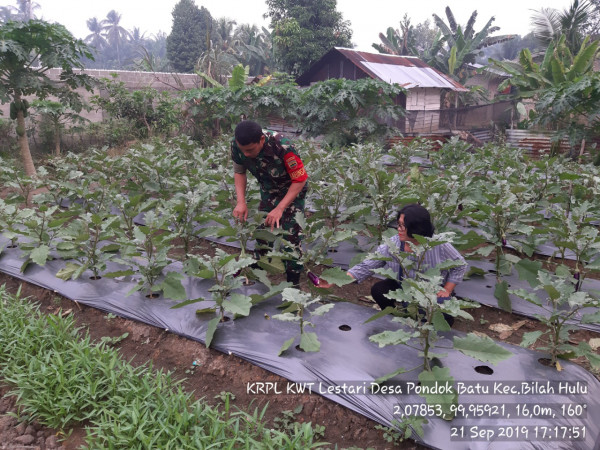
574 232
383 191
146 255
318 240
452 153
401 154
129 208
562 306
424 318
184 210
84 240
222 268
20 187
40 228
300 305
10 219
155 169
502 219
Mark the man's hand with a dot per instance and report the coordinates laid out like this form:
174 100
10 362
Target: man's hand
273 218
240 212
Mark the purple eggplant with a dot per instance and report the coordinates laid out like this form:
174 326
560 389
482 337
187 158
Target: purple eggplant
313 278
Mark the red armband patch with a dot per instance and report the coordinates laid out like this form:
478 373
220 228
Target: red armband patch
295 168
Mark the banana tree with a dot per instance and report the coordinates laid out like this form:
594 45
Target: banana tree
559 65
458 46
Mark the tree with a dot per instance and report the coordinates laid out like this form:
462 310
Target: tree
58 115
95 38
26 8
530 79
398 41
255 49
27 51
455 46
573 107
115 34
563 87
189 36
304 30
549 24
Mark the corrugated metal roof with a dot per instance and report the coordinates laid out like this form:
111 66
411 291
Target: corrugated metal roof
409 77
408 71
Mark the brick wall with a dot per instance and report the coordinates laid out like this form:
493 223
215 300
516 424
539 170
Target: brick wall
133 81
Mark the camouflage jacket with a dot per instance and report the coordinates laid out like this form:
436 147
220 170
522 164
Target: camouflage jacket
276 167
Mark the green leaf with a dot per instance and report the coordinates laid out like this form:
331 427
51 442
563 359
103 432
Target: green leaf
439 321
110 248
528 270
119 273
474 272
58 222
205 273
238 304
387 310
485 251
563 271
594 265
337 276
321 310
501 293
25 264
188 302
530 338
39 255
439 380
396 337
210 330
287 344
67 272
172 287
481 348
384 378
309 342
591 318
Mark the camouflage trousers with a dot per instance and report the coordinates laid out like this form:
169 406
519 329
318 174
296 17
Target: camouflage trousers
293 235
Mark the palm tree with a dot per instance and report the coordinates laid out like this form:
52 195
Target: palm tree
398 41
7 13
115 33
95 38
223 33
549 24
26 8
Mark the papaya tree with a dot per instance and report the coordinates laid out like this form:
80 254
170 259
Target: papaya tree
58 115
27 51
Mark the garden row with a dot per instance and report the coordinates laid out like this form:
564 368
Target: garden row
184 192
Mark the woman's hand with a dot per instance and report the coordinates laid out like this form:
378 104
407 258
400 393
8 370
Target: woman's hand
446 291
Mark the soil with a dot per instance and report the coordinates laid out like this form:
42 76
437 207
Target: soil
215 372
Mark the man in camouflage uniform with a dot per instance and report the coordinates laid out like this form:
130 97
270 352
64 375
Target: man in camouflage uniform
282 178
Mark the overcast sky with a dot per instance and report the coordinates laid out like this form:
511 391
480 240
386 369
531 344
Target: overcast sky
368 18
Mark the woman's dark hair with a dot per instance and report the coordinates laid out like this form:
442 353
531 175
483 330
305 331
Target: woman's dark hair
248 132
416 220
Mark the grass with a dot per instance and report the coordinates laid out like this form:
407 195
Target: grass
63 380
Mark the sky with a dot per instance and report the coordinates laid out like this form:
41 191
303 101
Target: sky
368 18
